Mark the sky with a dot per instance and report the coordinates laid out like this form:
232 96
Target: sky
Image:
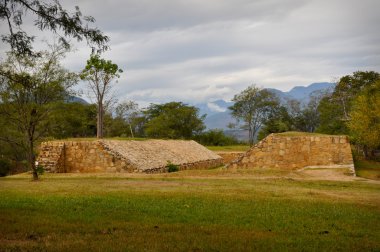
198 51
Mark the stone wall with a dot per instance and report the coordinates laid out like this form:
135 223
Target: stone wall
52 156
90 156
230 156
299 151
125 156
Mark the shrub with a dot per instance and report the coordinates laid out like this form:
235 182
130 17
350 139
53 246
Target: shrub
40 170
172 167
5 167
215 137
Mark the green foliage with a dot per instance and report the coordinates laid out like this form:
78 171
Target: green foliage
364 123
5 167
215 137
128 112
335 109
98 68
99 73
331 117
173 120
48 15
29 87
253 106
172 167
40 169
73 120
278 121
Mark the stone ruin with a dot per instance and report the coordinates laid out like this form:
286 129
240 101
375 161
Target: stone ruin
296 151
290 151
149 156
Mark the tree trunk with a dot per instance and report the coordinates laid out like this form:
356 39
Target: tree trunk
365 151
250 136
130 128
32 160
99 123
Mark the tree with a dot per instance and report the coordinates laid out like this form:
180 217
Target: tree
364 123
128 110
253 106
73 119
173 120
215 137
28 88
334 109
278 121
99 73
350 86
49 15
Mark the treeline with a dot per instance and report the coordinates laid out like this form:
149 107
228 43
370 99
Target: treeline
35 106
352 108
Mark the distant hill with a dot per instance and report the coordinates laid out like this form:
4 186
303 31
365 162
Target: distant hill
76 99
218 115
303 94
212 108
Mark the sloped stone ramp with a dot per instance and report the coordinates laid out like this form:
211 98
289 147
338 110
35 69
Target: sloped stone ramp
150 156
296 150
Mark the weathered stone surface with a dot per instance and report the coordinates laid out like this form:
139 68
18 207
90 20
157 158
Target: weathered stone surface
149 156
301 151
229 156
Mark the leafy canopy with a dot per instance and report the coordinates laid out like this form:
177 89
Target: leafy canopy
173 120
29 86
253 106
48 15
364 124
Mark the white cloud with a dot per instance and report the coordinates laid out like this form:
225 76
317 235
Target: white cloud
215 108
199 51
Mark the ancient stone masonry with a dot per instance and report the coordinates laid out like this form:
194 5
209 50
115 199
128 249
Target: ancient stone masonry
298 151
149 156
52 156
230 156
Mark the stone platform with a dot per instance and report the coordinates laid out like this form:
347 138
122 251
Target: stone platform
297 150
149 156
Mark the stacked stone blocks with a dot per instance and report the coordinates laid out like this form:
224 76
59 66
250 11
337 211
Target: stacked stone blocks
295 152
124 156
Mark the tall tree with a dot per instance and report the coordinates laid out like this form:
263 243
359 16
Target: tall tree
350 86
128 110
173 120
48 15
364 123
278 121
253 106
73 119
335 109
28 87
100 73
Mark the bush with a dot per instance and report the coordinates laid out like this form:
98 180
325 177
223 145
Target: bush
5 167
215 137
172 167
40 170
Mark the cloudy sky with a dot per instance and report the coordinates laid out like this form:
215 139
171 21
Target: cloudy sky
202 50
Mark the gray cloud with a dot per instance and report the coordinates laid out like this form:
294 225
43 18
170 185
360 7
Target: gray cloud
197 51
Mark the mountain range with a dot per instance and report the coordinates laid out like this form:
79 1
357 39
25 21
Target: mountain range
218 115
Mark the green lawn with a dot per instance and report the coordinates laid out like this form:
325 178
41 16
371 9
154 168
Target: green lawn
241 148
367 169
209 210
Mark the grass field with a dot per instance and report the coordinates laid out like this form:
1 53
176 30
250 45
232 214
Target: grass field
211 210
241 148
367 169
